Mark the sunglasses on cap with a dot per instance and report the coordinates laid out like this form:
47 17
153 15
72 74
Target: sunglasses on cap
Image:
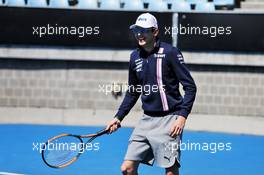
137 30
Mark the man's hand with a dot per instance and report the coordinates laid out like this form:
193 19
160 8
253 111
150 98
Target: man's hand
177 126
113 125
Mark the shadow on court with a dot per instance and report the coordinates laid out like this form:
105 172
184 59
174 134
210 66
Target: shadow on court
203 153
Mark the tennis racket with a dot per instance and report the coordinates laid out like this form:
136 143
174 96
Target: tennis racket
64 149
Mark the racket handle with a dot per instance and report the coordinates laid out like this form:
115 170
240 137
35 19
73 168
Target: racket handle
102 132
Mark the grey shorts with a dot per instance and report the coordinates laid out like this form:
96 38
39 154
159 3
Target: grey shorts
150 141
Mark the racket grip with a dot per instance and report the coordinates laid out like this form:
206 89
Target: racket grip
102 132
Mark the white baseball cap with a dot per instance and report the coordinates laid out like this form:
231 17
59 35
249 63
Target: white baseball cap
145 20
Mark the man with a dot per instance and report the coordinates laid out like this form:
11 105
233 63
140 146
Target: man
160 67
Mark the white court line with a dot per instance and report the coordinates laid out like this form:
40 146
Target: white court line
6 173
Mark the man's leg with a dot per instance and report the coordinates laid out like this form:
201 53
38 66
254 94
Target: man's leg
174 170
129 167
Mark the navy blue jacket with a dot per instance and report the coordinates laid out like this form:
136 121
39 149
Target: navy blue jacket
158 75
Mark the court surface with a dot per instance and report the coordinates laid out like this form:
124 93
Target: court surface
19 156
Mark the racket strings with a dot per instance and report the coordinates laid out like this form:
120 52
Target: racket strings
62 150
56 156
60 157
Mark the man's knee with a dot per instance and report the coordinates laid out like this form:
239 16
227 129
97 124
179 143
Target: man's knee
172 173
129 168
174 170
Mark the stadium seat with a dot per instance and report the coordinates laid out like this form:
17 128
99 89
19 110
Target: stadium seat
59 3
180 6
16 3
224 2
147 1
133 5
157 5
87 4
170 2
37 3
205 7
110 5
196 1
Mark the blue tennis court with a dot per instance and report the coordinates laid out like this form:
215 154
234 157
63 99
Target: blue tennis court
19 152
